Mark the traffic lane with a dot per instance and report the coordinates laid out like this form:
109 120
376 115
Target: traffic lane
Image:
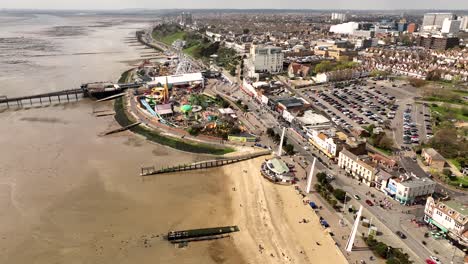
389 223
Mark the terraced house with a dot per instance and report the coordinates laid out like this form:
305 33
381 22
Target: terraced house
360 168
450 217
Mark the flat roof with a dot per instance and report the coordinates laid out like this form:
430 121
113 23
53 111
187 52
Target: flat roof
175 79
290 102
311 118
416 183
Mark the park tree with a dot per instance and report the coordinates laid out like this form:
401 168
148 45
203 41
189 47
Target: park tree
321 177
270 132
339 194
385 142
381 249
289 149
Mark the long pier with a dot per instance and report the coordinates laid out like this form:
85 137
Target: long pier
64 96
148 171
46 98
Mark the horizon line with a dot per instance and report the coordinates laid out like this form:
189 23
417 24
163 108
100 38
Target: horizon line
276 9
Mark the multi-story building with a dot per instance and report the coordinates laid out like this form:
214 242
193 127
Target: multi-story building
186 19
338 17
451 26
324 140
450 217
464 23
266 59
434 21
407 189
359 167
411 28
402 25
437 42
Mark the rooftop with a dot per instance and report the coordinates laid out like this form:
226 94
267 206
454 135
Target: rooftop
278 166
175 79
291 102
457 206
311 118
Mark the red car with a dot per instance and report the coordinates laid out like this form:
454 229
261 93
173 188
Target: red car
369 203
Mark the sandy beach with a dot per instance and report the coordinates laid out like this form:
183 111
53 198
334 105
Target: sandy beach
269 217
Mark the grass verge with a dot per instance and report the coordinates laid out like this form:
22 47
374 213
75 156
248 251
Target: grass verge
123 78
449 112
124 120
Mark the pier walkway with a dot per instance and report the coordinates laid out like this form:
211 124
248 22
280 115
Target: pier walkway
148 171
64 96
46 98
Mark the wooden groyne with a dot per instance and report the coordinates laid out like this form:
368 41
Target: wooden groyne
120 129
148 171
201 234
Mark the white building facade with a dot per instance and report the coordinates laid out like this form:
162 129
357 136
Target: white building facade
406 191
450 217
434 21
323 142
451 26
358 168
267 58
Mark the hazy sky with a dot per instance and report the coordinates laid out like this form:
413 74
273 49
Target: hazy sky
189 4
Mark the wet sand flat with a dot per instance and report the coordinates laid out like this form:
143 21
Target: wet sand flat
70 196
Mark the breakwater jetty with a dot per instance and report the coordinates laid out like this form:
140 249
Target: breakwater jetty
148 171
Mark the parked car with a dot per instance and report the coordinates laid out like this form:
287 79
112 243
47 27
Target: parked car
357 197
433 260
401 235
369 202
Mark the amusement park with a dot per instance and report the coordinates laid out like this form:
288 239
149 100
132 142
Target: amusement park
181 101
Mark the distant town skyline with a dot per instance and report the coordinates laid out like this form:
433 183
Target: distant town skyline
239 4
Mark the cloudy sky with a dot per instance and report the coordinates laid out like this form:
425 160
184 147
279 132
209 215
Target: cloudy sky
189 4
